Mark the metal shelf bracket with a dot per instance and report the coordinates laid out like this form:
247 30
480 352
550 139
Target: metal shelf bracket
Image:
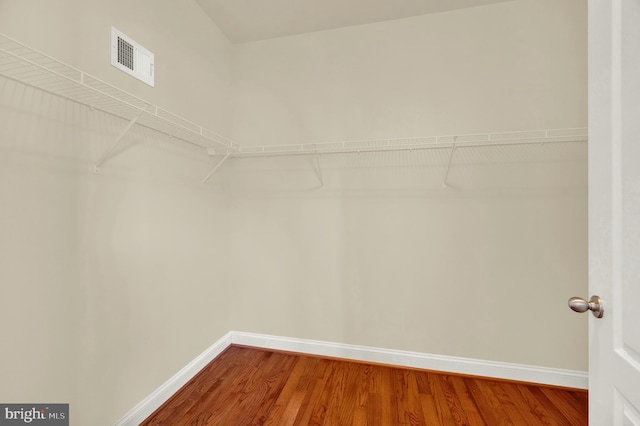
446 175
318 169
122 134
206 178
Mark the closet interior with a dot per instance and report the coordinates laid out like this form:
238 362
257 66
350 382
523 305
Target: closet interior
415 185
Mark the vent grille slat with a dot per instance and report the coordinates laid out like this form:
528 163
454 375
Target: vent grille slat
125 53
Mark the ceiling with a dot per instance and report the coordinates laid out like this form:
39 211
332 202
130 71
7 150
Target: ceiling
250 20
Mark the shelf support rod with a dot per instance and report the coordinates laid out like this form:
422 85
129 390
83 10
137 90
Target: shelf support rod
206 178
124 131
446 175
318 169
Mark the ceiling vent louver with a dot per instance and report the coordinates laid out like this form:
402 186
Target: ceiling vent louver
131 57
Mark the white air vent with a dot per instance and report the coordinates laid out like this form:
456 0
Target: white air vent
130 57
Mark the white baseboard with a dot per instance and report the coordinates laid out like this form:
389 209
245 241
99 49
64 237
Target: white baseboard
158 397
448 364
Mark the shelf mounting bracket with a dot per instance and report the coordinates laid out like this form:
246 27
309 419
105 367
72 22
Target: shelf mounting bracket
446 175
206 178
124 131
317 169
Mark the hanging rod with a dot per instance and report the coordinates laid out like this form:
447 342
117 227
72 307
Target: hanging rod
529 137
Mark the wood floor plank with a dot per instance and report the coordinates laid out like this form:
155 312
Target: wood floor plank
345 397
387 394
363 384
429 410
251 386
400 389
570 407
512 402
551 407
338 396
234 392
483 402
445 417
321 403
374 409
537 410
467 403
453 400
424 387
315 388
494 405
307 406
413 399
269 386
290 398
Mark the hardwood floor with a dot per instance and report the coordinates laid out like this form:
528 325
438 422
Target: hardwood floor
250 386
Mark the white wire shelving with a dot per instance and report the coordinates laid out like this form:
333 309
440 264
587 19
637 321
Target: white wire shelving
29 66
528 137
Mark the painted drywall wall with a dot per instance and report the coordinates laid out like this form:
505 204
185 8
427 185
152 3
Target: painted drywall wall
518 65
39 307
112 282
384 256
389 259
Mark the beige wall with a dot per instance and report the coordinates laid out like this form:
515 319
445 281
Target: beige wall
383 256
127 275
112 282
509 66
386 258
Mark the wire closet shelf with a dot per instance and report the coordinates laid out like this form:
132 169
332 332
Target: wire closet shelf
29 66
26 65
